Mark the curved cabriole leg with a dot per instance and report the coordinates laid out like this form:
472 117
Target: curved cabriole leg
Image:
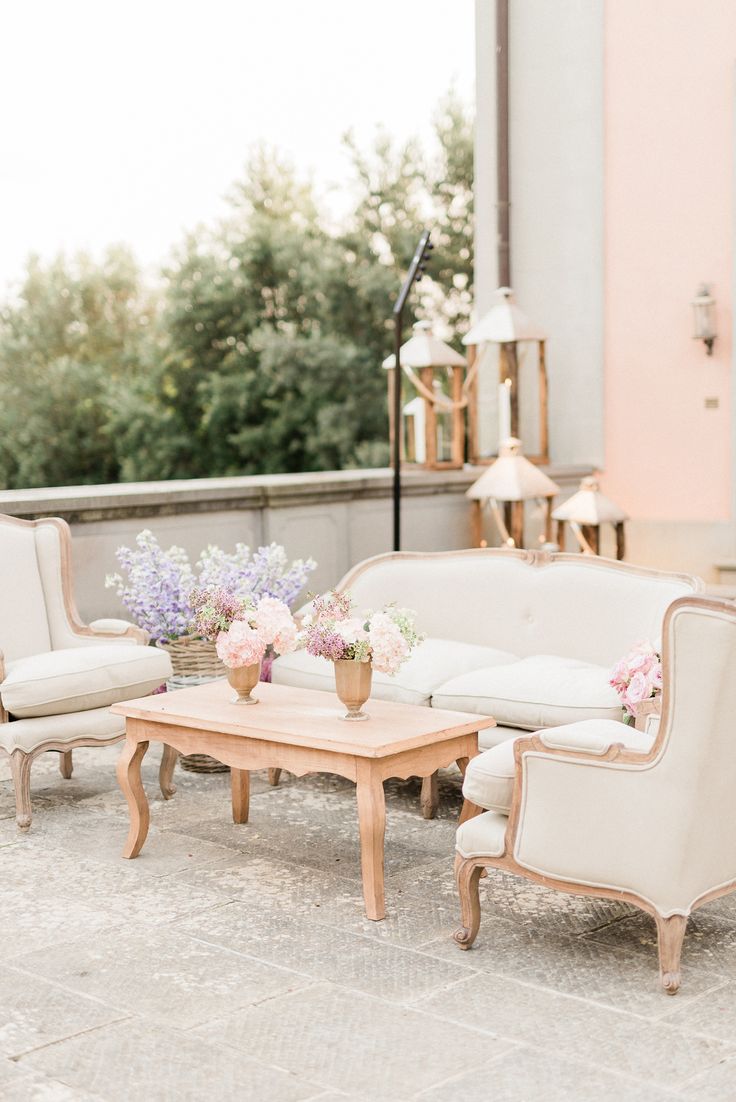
20 769
274 775
468 875
169 759
670 935
430 797
129 779
65 764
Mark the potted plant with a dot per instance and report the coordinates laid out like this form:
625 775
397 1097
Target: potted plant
357 645
156 587
637 679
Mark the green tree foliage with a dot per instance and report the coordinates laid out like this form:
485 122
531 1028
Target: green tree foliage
262 352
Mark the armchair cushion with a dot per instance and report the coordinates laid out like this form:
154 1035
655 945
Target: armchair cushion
431 663
543 691
78 679
489 778
28 734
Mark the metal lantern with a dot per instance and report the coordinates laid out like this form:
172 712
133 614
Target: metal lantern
507 326
704 317
436 372
585 512
510 481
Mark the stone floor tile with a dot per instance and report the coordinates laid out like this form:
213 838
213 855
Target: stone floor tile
322 952
141 1060
353 1042
576 1029
30 920
166 974
710 941
326 898
102 839
34 1012
714 1013
570 965
718 1084
29 1086
524 1074
515 897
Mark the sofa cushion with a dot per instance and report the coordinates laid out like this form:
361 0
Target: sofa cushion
543 691
434 661
489 778
81 678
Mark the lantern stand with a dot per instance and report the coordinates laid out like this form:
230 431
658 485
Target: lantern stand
510 481
424 353
586 511
507 326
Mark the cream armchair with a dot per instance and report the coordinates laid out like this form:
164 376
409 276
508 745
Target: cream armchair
648 821
58 676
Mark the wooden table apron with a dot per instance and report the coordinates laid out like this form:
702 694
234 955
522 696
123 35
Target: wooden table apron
243 753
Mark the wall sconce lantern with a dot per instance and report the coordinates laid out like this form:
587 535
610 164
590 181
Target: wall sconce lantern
510 481
434 421
704 319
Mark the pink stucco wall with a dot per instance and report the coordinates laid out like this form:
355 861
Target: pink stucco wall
669 191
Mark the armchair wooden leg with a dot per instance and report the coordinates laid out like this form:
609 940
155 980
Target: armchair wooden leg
65 764
20 768
274 776
670 935
468 875
169 758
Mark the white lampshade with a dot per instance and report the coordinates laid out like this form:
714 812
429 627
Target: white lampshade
512 478
423 349
589 506
504 323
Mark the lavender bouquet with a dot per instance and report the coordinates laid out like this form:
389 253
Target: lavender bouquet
158 585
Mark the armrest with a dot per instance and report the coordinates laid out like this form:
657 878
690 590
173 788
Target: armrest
597 737
122 630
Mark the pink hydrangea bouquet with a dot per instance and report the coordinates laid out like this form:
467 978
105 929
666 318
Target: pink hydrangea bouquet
242 628
637 678
332 630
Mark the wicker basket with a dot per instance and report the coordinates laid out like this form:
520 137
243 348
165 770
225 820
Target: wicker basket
194 662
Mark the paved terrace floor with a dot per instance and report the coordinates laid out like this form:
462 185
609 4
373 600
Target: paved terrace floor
234 962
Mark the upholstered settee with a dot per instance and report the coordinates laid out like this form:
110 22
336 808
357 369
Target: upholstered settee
524 636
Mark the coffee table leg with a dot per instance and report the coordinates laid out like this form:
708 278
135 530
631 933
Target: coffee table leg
430 797
240 786
129 779
372 824
169 758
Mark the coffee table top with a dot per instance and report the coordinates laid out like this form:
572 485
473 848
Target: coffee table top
304 717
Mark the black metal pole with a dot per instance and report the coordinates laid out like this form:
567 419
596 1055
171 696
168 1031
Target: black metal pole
416 268
398 431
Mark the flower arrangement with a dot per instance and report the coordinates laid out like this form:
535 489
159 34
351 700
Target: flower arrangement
241 627
637 678
157 590
385 638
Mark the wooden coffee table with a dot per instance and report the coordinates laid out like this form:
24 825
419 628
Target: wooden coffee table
299 730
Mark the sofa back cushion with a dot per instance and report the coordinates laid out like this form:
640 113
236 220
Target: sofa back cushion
574 606
24 626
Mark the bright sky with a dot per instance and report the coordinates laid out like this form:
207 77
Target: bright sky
129 121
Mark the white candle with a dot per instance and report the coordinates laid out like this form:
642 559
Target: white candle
504 411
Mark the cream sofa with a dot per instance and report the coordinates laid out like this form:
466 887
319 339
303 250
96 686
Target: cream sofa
524 636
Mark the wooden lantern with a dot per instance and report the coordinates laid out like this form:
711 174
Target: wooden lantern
585 512
433 432
509 482
507 327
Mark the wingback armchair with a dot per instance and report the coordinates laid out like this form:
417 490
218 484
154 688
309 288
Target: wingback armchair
651 821
58 676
